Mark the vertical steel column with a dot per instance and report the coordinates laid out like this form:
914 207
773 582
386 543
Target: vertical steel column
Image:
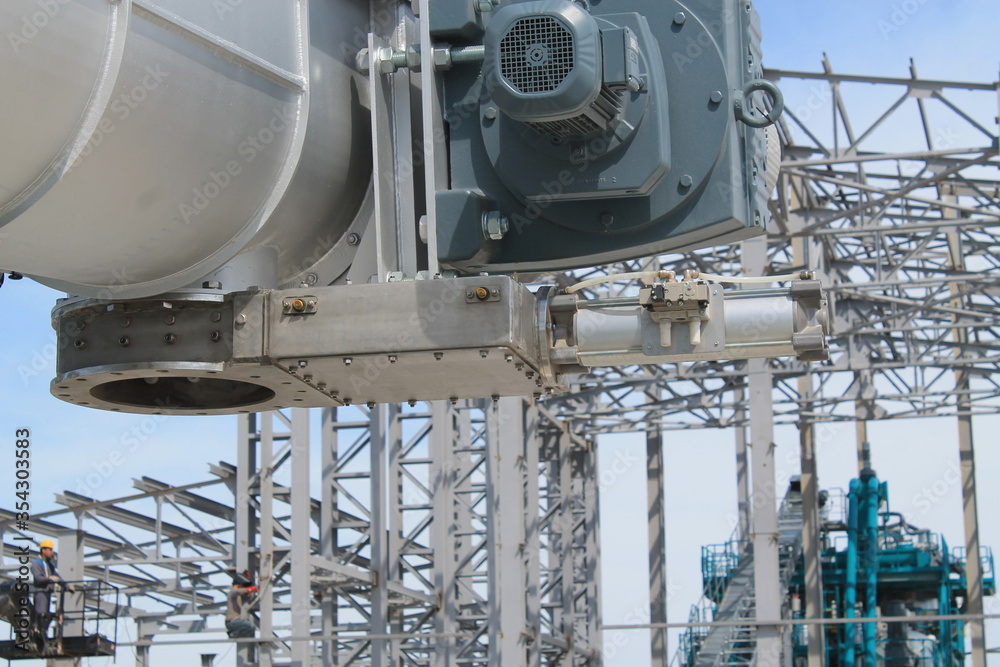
967 461
764 525
767 583
301 545
592 555
329 518
567 530
657 545
144 631
71 567
862 412
808 253
245 521
813 569
444 470
266 536
532 538
394 521
742 466
505 533
380 647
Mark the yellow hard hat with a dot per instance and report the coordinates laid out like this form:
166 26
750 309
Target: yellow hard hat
46 543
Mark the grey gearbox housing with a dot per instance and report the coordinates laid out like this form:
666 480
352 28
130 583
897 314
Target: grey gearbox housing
600 131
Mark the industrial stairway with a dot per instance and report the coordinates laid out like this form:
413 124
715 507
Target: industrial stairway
728 580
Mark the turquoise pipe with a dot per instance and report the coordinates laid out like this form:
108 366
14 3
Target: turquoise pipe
851 592
871 565
944 603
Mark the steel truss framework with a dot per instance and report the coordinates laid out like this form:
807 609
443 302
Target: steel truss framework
467 533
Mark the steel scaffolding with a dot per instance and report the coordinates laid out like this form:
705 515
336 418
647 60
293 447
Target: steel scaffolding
467 533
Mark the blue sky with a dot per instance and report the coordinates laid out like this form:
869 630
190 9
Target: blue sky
950 40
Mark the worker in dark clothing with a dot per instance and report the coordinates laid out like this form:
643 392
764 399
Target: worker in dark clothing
238 623
45 575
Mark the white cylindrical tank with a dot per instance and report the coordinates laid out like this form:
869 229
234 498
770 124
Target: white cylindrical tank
145 144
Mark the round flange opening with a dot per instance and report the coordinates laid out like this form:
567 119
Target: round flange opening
181 393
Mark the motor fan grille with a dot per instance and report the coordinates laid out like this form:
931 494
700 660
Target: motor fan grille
536 54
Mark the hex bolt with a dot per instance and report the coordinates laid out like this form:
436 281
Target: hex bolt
607 219
484 353
169 319
216 316
469 294
347 361
508 358
686 181
392 358
495 292
716 97
169 338
241 319
215 336
321 386
124 341
411 402
438 356
311 279
307 378
495 226
490 113
495 397
353 238
303 363
371 405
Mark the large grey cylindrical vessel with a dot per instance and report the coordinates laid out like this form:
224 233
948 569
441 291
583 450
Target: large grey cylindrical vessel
146 144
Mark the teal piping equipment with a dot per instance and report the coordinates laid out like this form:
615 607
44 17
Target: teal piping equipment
873 560
851 589
872 501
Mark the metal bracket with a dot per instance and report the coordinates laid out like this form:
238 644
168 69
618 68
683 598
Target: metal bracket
677 302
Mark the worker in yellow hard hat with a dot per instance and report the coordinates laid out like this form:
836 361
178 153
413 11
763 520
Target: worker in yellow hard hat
45 575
